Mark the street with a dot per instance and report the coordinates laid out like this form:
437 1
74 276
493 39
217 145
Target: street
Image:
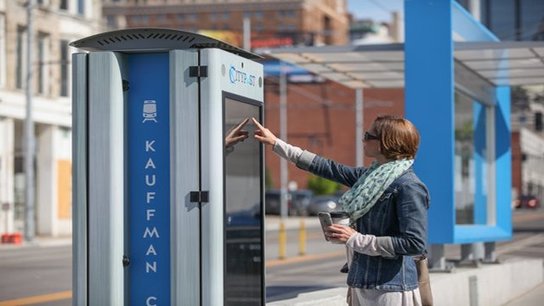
42 275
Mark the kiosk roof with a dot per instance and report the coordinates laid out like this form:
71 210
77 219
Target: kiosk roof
154 40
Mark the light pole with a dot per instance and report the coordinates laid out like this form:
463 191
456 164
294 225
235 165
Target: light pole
359 120
29 133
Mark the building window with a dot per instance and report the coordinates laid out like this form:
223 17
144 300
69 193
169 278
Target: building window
20 65
42 64
287 14
532 20
139 19
2 51
111 21
191 17
500 17
286 28
63 5
64 66
161 19
81 7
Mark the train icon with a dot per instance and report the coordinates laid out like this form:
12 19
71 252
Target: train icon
149 111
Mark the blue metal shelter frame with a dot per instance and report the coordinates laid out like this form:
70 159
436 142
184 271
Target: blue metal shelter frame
429 91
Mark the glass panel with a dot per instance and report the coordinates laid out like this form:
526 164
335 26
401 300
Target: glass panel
387 84
243 223
503 64
518 81
501 20
531 20
317 68
396 66
464 160
386 75
336 76
292 57
494 54
513 73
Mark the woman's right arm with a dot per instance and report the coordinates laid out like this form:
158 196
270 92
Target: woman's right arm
308 161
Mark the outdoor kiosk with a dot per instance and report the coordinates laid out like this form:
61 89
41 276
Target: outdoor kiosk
167 211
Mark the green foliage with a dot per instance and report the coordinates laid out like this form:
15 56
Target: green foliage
268 183
322 186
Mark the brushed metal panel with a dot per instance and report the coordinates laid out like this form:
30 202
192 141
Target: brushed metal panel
185 216
79 179
106 180
212 180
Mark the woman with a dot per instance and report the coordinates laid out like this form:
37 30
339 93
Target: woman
387 204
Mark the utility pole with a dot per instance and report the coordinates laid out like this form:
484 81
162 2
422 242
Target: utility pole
247 33
284 212
359 127
283 136
29 132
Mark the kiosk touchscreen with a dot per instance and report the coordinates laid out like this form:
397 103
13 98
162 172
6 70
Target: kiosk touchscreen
243 205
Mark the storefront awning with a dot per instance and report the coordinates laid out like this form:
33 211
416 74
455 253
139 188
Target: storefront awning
382 66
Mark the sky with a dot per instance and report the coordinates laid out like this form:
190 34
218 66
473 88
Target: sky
379 10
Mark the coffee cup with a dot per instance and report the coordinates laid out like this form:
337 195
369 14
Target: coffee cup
341 218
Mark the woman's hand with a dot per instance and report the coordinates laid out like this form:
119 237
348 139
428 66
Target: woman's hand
263 134
340 232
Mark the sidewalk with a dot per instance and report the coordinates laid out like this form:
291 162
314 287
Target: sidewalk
516 282
39 242
534 297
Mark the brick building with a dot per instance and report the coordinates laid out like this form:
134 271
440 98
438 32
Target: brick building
321 119
273 22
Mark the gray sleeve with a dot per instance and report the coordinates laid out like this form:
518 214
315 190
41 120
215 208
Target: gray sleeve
371 245
296 155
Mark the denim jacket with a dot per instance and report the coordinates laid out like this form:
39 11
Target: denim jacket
400 213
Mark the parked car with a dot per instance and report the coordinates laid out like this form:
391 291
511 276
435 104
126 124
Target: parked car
323 203
297 202
527 201
301 199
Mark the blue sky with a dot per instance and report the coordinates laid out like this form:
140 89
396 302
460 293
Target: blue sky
379 10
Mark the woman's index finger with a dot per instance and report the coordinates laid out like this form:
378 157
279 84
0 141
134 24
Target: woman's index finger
257 124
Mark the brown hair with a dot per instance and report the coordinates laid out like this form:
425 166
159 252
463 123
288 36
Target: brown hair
399 138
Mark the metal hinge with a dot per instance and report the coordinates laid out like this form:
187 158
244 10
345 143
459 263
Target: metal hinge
198 71
199 196
126 85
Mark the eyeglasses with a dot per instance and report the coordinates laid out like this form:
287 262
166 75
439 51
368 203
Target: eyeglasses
369 136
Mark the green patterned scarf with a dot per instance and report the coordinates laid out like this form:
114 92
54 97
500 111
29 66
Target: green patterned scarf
370 186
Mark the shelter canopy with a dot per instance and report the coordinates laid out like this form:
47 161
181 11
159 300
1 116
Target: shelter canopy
382 66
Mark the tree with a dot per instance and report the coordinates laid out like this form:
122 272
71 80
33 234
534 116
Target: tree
322 186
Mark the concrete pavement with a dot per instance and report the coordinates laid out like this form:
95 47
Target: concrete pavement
515 282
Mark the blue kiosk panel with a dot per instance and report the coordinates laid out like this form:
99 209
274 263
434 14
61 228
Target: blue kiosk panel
148 173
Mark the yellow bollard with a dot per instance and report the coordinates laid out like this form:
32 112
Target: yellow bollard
302 238
282 240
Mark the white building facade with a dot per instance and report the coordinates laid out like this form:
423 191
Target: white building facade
55 24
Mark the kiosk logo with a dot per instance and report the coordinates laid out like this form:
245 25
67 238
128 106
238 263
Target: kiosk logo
150 111
238 76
